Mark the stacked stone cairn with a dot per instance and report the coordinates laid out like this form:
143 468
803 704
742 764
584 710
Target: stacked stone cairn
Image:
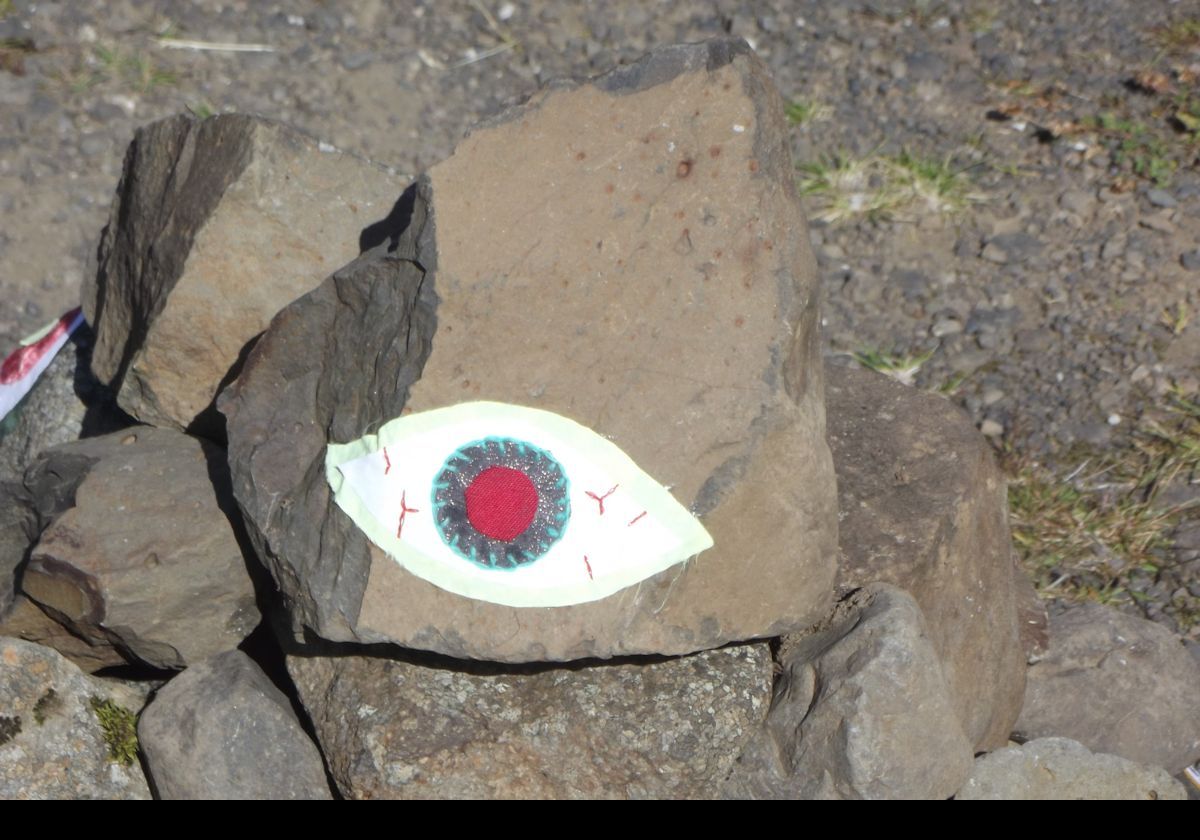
628 252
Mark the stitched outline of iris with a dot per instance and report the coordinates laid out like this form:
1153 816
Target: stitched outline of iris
501 503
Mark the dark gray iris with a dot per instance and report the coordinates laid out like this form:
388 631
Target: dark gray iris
475 513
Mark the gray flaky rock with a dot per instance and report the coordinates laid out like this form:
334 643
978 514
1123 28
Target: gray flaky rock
1059 768
217 224
63 734
27 505
222 730
142 556
924 507
18 530
25 620
455 730
861 711
1117 684
65 404
628 253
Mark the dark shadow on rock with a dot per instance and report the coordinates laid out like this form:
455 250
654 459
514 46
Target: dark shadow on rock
316 646
101 412
392 227
134 671
262 645
217 464
210 423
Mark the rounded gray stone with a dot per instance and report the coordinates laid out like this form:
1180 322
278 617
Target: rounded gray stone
222 730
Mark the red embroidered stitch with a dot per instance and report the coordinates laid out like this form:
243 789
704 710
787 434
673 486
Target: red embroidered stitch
404 510
589 567
636 518
600 499
388 461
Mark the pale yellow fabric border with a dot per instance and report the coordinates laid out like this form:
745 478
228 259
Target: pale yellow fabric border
658 502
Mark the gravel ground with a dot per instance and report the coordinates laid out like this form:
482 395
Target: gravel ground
1005 196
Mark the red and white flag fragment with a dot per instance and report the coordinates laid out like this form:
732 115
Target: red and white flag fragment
21 369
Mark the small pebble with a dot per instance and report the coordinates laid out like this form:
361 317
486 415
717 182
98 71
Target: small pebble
1079 202
990 428
1161 198
946 326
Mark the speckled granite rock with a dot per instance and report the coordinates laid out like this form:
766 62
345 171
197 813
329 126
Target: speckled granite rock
628 253
52 740
662 728
1059 768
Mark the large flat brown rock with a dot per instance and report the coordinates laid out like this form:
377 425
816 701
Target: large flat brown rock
216 225
628 253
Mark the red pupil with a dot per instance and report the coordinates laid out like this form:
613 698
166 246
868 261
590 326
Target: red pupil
501 503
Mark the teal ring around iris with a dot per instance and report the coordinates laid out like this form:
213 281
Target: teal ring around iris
549 521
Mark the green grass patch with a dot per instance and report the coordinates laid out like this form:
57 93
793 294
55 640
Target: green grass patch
802 111
200 110
119 726
882 187
1180 36
109 64
1135 146
899 366
1084 535
136 69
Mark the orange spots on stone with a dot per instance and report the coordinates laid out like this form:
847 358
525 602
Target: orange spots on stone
637 196
580 155
679 214
738 321
717 254
714 151
466 384
683 168
753 165
609 188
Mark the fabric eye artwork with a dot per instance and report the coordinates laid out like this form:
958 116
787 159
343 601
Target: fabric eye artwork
511 505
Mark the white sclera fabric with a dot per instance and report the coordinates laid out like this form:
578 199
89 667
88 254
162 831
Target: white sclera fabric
642 530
